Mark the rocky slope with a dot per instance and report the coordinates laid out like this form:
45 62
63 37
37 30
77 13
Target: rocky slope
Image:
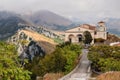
9 24
24 37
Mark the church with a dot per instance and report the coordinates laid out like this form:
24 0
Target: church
75 35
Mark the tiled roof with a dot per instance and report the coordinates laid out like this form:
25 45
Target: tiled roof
87 26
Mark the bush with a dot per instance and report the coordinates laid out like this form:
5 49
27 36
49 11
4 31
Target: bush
61 60
10 68
99 40
105 58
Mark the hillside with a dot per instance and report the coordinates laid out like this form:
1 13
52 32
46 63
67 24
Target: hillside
46 43
9 24
112 38
37 37
49 20
113 75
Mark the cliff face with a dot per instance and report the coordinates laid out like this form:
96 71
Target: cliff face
24 37
31 44
30 51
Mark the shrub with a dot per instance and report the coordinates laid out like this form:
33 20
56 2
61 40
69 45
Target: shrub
105 58
99 40
61 60
10 68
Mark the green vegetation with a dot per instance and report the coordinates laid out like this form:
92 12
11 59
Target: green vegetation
105 58
63 59
10 68
87 37
99 40
57 40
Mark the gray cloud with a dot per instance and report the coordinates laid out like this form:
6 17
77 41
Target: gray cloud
82 9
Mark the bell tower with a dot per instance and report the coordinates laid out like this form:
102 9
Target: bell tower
101 30
101 26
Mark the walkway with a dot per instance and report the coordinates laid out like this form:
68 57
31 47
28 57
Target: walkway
82 71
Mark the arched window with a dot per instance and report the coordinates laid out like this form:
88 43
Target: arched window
79 36
71 38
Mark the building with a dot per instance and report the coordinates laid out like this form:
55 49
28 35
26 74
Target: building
75 35
115 44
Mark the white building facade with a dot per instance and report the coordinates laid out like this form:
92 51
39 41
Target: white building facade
75 35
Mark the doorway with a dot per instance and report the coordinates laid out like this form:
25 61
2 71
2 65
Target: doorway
79 36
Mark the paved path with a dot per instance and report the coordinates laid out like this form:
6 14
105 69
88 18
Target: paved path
81 72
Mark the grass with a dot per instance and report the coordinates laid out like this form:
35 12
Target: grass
112 75
51 76
58 40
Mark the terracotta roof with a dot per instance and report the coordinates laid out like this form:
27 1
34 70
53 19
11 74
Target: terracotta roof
87 26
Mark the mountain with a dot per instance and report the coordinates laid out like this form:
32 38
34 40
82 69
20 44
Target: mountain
26 36
49 20
9 23
46 43
113 25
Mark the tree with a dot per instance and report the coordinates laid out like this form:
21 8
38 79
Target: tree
87 37
63 59
10 68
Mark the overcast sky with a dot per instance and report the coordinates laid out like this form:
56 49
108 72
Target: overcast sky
80 9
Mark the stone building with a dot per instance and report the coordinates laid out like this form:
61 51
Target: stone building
75 35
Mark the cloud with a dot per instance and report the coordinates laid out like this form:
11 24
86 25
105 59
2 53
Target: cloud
83 9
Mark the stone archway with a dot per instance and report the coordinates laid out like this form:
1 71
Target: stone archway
79 37
71 38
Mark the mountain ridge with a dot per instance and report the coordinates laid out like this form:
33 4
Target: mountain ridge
9 24
48 19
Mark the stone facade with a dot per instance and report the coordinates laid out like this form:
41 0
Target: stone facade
75 35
